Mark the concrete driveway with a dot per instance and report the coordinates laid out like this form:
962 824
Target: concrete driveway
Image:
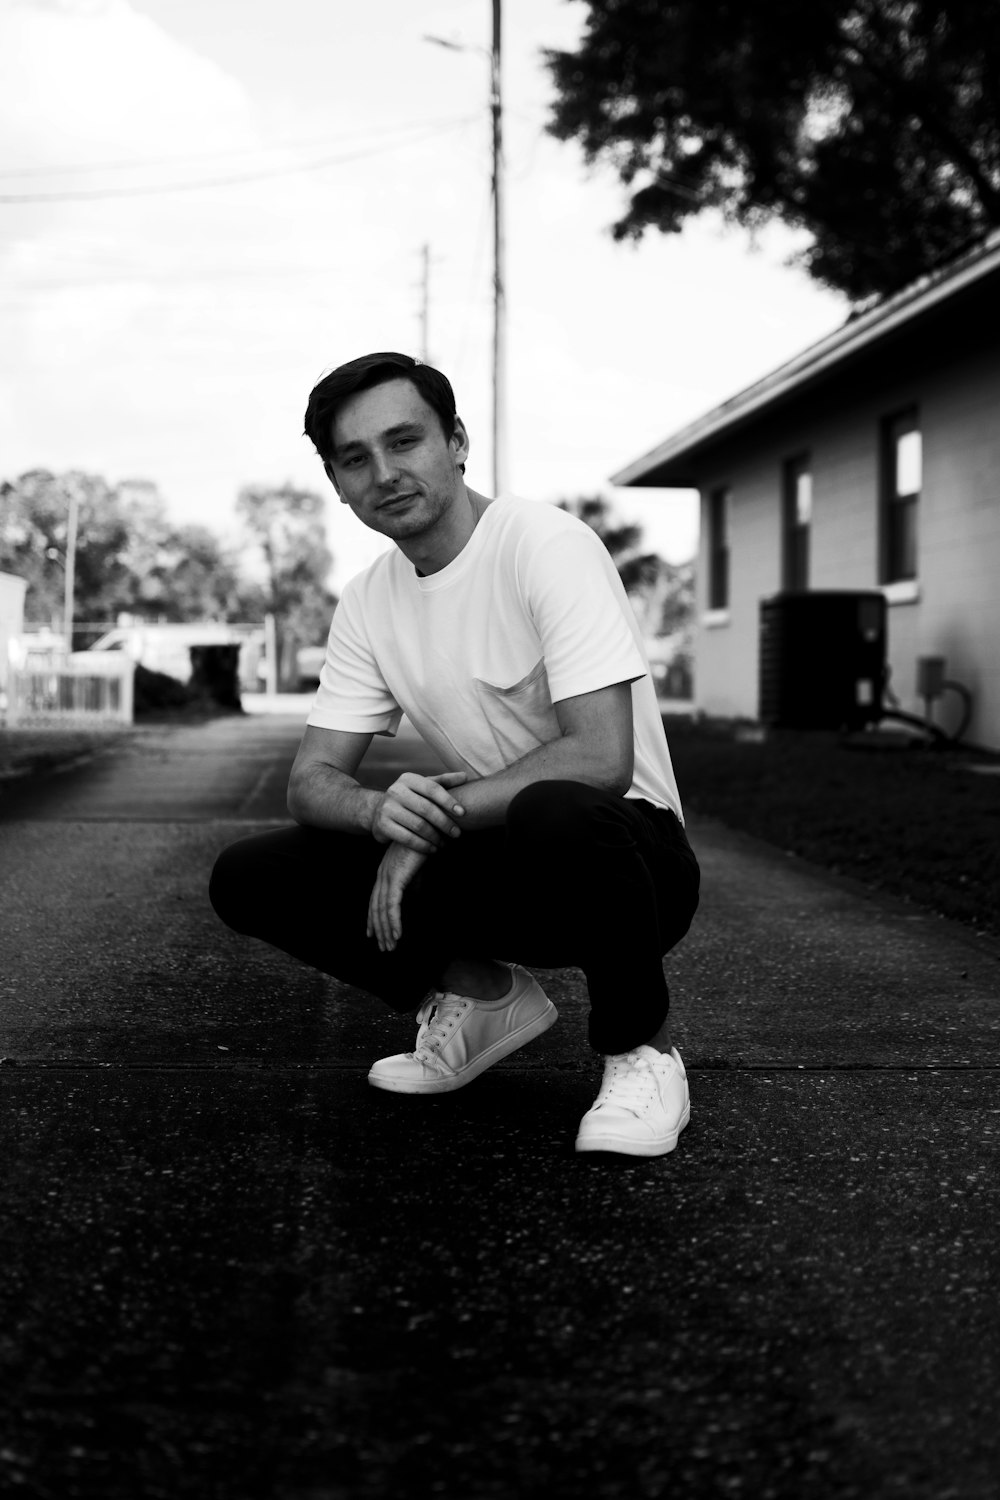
229 1268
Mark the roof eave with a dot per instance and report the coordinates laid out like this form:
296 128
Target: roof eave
668 465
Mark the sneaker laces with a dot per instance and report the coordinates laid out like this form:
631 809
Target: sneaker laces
630 1082
437 1017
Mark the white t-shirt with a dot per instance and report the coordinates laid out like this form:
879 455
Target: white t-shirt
530 612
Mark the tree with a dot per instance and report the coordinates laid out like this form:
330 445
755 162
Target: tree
34 523
181 572
191 576
661 593
287 524
872 124
129 558
621 538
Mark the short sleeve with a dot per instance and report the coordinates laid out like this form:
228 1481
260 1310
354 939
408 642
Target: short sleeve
353 695
582 615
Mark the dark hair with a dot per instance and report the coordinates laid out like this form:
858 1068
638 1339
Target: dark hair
362 374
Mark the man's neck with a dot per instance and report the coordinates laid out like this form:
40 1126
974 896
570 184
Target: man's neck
435 550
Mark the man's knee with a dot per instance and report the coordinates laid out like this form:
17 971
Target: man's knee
249 877
228 886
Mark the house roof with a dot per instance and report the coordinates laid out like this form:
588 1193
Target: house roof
664 465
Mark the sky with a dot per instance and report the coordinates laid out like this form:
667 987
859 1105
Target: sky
206 204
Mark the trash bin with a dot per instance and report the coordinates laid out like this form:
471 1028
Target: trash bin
215 675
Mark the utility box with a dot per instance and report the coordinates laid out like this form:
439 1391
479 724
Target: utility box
930 676
822 659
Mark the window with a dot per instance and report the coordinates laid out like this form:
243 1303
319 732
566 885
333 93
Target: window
901 484
718 549
797 512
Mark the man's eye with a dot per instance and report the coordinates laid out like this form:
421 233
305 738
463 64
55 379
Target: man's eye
406 442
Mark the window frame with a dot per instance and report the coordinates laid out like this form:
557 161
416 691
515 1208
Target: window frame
718 518
899 514
796 536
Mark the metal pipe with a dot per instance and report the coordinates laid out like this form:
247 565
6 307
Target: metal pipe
70 571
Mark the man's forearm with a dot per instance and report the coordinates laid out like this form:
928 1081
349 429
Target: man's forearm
565 759
417 811
323 797
421 812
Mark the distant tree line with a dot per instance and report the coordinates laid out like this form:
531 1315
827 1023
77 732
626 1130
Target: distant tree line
131 559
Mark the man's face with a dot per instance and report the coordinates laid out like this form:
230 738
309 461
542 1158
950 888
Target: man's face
392 463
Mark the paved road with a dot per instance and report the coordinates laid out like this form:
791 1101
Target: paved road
230 1269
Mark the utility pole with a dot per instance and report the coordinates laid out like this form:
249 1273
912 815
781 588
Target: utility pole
425 297
499 290
499 287
270 655
70 566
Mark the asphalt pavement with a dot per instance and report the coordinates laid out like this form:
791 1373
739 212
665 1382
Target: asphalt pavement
231 1270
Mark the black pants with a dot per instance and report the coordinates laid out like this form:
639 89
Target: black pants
575 878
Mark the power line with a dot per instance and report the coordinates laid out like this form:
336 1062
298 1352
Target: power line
135 162
150 191
210 276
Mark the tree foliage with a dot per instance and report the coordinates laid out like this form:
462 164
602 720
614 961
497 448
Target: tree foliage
622 538
34 524
662 593
129 558
872 124
287 525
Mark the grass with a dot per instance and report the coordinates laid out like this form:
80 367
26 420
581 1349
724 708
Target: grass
898 815
27 750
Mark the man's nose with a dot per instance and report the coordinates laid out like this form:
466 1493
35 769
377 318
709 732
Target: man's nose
386 469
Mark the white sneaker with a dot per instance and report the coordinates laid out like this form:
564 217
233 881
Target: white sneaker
642 1107
459 1038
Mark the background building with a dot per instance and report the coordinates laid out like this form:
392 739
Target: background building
872 460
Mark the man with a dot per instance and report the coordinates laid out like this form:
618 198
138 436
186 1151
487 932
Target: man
554 838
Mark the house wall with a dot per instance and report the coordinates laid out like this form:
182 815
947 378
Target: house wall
956 611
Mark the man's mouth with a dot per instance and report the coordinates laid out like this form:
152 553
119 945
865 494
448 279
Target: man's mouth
396 499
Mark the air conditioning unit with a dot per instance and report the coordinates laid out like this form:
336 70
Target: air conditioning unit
822 659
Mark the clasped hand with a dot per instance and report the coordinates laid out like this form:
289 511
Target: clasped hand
415 817
418 811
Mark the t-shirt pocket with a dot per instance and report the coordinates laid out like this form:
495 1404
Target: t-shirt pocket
519 717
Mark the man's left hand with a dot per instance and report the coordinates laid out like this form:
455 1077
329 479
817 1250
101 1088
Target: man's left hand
385 921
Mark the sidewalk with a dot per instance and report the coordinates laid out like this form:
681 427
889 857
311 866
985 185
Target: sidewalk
232 1269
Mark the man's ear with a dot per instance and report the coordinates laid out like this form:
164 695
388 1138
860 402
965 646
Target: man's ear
460 441
328 469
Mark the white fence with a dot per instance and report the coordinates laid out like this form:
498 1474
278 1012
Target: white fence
57 695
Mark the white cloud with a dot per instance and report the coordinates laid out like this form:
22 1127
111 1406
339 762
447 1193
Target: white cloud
112 84
175 336
117 309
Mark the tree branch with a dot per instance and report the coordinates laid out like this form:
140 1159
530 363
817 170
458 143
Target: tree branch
919 101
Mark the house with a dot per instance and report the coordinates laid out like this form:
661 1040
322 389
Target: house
869 462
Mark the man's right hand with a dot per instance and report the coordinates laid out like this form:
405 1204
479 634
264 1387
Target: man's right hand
418 812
